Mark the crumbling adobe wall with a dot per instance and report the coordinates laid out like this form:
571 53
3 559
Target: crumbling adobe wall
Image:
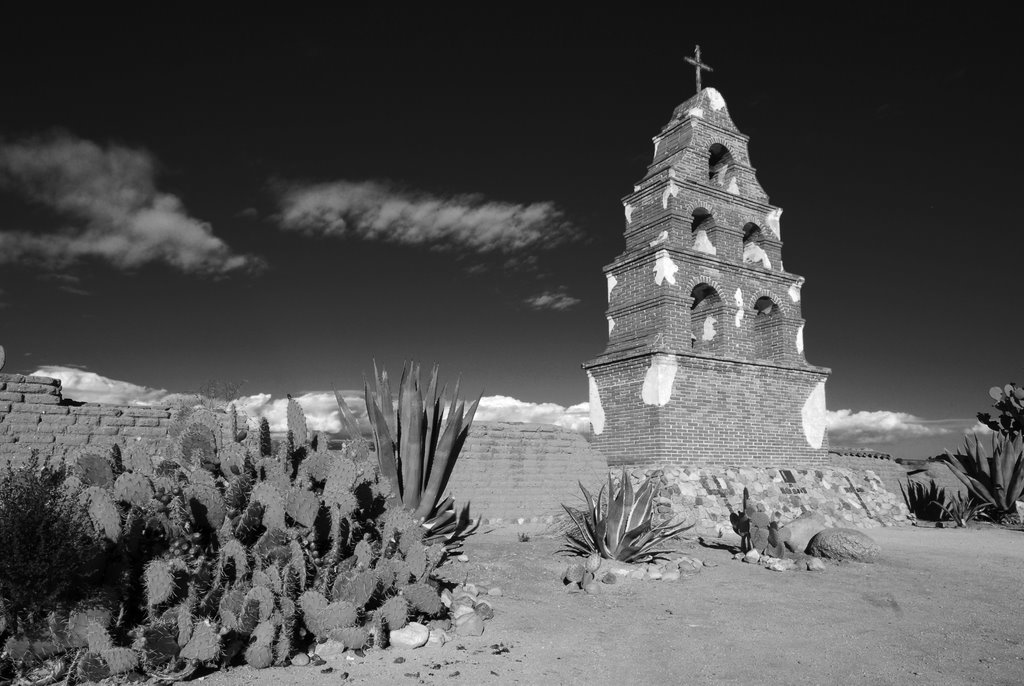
34 416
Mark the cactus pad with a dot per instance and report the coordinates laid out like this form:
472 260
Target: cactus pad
264 599
231 604
232 459
316 466
99 639
260 654
364 554
396 612
204 645
94 470
134 489
160 582
302 506
416 558
352 637
423 598
103 512
237 493
120 660
236 553
297 423
358 589
270 497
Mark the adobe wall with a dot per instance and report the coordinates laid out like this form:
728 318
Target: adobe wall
35 416
522 473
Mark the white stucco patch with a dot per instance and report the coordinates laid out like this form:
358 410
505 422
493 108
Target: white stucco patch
709 328
596 411
733 187
664 268
672 190
612 282
629 213
772 220
753 253
696 112
662 237
715 98
611 325
657 388
701 243
800 339
794 290
813 416
738 299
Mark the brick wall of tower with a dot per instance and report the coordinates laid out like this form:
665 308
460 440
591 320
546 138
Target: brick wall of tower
719 413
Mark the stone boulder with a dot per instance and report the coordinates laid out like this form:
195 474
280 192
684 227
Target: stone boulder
844 545
799 532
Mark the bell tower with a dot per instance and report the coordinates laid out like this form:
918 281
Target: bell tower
705 357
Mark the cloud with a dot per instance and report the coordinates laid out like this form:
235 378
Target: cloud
552 300
90 387
370 210
501 408
884 426
112 208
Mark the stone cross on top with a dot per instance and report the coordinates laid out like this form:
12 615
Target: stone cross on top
698 66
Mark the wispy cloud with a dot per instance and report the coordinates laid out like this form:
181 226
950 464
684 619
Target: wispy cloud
552 300
90 387
884 426
377 211
110 209
501 408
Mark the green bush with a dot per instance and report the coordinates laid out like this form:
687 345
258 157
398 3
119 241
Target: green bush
46 542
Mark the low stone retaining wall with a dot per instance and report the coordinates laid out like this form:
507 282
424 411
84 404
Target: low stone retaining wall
845 497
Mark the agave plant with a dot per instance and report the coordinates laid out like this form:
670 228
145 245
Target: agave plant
924 502
622 529
418 442
999 479
961 510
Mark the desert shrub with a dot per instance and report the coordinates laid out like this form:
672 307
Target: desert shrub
924 501
46 543
623 528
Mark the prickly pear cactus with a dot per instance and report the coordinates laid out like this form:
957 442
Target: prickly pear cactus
296 423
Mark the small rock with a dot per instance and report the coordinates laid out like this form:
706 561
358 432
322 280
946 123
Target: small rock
437 638
446 598
472 590
738 556
593 588
469 625
460 610
637 574
400 660
671 575
484 609
653 574
494 590
412 635
801 530
609 578
752 556
317 661
815 565
330 649
463 558
780 565
689 565
300 660
709 563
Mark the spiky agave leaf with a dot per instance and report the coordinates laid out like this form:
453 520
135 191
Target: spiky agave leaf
998 479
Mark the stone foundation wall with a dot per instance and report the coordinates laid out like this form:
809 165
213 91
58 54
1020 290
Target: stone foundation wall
845 497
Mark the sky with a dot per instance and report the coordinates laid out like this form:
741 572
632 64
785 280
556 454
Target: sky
281 202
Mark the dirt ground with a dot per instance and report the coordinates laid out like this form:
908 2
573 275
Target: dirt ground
943 606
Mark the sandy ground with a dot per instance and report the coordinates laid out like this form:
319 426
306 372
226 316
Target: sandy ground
943 606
